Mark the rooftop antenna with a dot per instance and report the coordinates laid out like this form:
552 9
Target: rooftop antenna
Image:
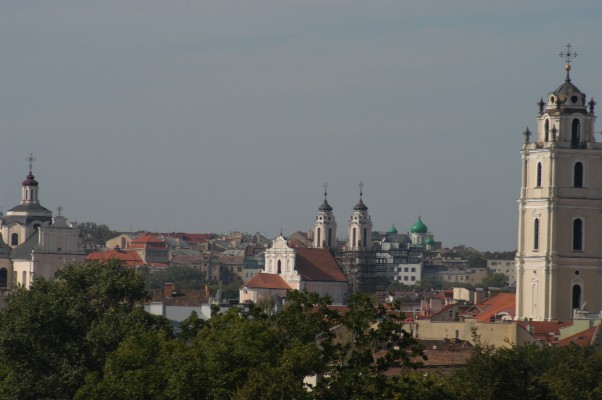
59 210
568 57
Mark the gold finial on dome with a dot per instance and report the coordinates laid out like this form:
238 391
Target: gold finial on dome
567 67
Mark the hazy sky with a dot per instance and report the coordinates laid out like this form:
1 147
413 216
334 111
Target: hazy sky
225 115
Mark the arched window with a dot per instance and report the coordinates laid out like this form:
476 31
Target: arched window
329 237
538 179
576 296
365 237
575 132
577 234
546 130
279 267
578 175
353 242
318 237
3 278
14 239
536 234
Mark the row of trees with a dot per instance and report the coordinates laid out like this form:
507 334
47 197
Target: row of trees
84 336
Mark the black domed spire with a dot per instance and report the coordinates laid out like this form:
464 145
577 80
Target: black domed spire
325 206
360 206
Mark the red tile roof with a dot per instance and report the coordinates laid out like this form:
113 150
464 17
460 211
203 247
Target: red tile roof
146 241
267 281
502 303
126 258
588 337
546 331
318 265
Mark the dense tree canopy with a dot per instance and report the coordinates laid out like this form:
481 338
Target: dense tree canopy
84 335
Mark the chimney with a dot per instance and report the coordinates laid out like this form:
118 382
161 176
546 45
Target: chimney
168 289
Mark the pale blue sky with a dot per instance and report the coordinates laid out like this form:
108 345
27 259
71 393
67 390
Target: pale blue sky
230 115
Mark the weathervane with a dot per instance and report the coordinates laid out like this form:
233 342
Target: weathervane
31 159
568 57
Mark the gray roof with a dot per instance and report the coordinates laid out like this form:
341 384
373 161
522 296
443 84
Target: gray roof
23 251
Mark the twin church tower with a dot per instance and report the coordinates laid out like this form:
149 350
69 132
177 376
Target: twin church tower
360 227
559 257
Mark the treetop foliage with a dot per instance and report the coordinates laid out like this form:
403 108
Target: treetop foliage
84 335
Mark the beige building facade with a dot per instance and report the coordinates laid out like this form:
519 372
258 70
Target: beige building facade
559 257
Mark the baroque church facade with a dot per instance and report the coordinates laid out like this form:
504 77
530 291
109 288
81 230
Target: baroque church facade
33 242
559 256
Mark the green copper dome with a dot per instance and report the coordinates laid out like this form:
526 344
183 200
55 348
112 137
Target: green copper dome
392 230
429 240
419 227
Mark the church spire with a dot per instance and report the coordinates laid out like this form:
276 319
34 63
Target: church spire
29 191
325 227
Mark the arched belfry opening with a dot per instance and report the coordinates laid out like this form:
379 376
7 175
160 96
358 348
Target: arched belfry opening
575 132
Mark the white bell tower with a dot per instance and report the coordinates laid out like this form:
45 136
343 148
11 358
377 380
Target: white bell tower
559 257
325 227
360 227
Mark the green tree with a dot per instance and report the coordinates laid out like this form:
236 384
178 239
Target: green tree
369 342
62 329
94 233
494 279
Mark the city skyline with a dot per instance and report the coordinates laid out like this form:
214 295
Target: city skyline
220 116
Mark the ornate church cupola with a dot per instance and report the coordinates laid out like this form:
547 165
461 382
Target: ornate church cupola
325 227
418 233
565 121
360 226
29 191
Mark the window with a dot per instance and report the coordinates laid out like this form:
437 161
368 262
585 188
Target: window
24 278
318 237
413 269
14 239
405 278
353 242
578 175
577 234
575 132
538 180
3 278
413 278
576 296
536 234
329 237
405 269
279 267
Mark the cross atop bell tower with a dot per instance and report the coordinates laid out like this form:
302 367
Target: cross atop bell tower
568 57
